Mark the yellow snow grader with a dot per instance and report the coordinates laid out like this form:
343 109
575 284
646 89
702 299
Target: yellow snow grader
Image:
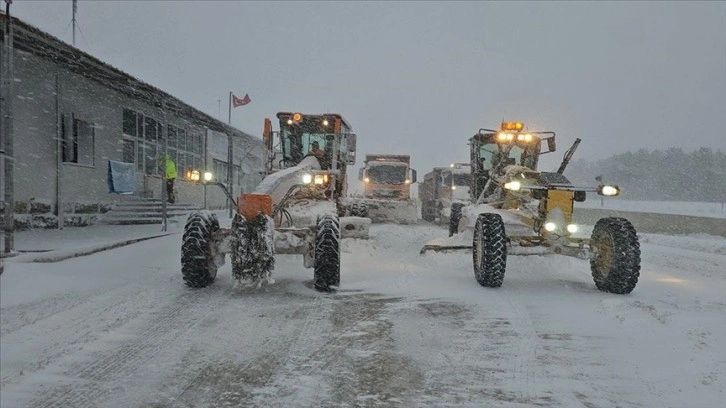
296 209
514 209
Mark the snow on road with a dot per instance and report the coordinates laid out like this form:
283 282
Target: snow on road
119 329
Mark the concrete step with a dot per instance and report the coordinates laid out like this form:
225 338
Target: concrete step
130 211
137 214
152 207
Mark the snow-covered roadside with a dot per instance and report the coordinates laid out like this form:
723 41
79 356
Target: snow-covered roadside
700 209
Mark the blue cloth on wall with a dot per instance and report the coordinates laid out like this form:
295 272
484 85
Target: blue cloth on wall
121 177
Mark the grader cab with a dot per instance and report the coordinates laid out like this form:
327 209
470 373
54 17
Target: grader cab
518 210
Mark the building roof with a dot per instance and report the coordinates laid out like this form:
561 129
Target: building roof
31 39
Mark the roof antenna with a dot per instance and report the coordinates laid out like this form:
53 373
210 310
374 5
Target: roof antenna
75 8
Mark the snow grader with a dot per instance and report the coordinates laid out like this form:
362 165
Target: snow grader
514 209
296 209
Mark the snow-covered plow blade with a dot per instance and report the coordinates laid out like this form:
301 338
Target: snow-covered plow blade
387 211
355 227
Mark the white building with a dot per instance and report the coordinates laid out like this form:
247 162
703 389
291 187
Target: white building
72 114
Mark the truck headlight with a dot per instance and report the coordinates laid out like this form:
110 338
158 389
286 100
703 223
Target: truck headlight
550 226
513 185
366 180
453 187
572 228
608 190
319 179
208 176
307 178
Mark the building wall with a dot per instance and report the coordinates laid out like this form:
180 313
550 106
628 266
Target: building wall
46 94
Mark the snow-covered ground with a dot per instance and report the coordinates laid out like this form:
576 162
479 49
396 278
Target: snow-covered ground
119 329
713 210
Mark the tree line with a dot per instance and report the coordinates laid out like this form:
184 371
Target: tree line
666 175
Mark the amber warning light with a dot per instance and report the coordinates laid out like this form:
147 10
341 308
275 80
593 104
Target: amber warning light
516 126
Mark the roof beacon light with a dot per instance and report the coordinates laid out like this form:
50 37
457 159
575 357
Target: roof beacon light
516 126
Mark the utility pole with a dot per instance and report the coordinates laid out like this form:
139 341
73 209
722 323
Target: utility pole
229 154
75 8
164 137
9 199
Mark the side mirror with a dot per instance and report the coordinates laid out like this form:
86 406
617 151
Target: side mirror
361 173
267 134
413 176
350 156
580 196
550 144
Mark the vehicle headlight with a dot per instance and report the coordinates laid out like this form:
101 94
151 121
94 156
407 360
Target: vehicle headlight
408 181
319 179
193 175
307 178
609 190
453 187
513 185
366 180
208 176
572 228
550 226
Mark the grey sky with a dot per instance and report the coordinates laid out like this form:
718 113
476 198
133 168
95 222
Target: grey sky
421 78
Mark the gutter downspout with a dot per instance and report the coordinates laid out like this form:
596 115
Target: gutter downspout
59 155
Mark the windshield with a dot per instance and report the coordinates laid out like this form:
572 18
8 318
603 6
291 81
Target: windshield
459 179
387 174
489 155
298 144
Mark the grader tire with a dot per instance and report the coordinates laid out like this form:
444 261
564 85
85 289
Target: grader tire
490 250
327 253
615 261
454 218
198 267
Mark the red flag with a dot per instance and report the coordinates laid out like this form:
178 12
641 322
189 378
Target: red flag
240 102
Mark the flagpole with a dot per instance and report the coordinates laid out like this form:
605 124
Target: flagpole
229 117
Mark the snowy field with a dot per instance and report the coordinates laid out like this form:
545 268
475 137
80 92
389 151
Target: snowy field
119 329
700 209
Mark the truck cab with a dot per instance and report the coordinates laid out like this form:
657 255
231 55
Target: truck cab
387 176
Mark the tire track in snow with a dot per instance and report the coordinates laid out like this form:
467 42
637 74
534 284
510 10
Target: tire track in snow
72 327
308 361
95 379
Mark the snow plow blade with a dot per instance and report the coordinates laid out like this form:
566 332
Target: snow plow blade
445 248
354 227
390 211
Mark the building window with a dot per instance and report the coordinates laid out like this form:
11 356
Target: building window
129 151
143 143
78 142
129 123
